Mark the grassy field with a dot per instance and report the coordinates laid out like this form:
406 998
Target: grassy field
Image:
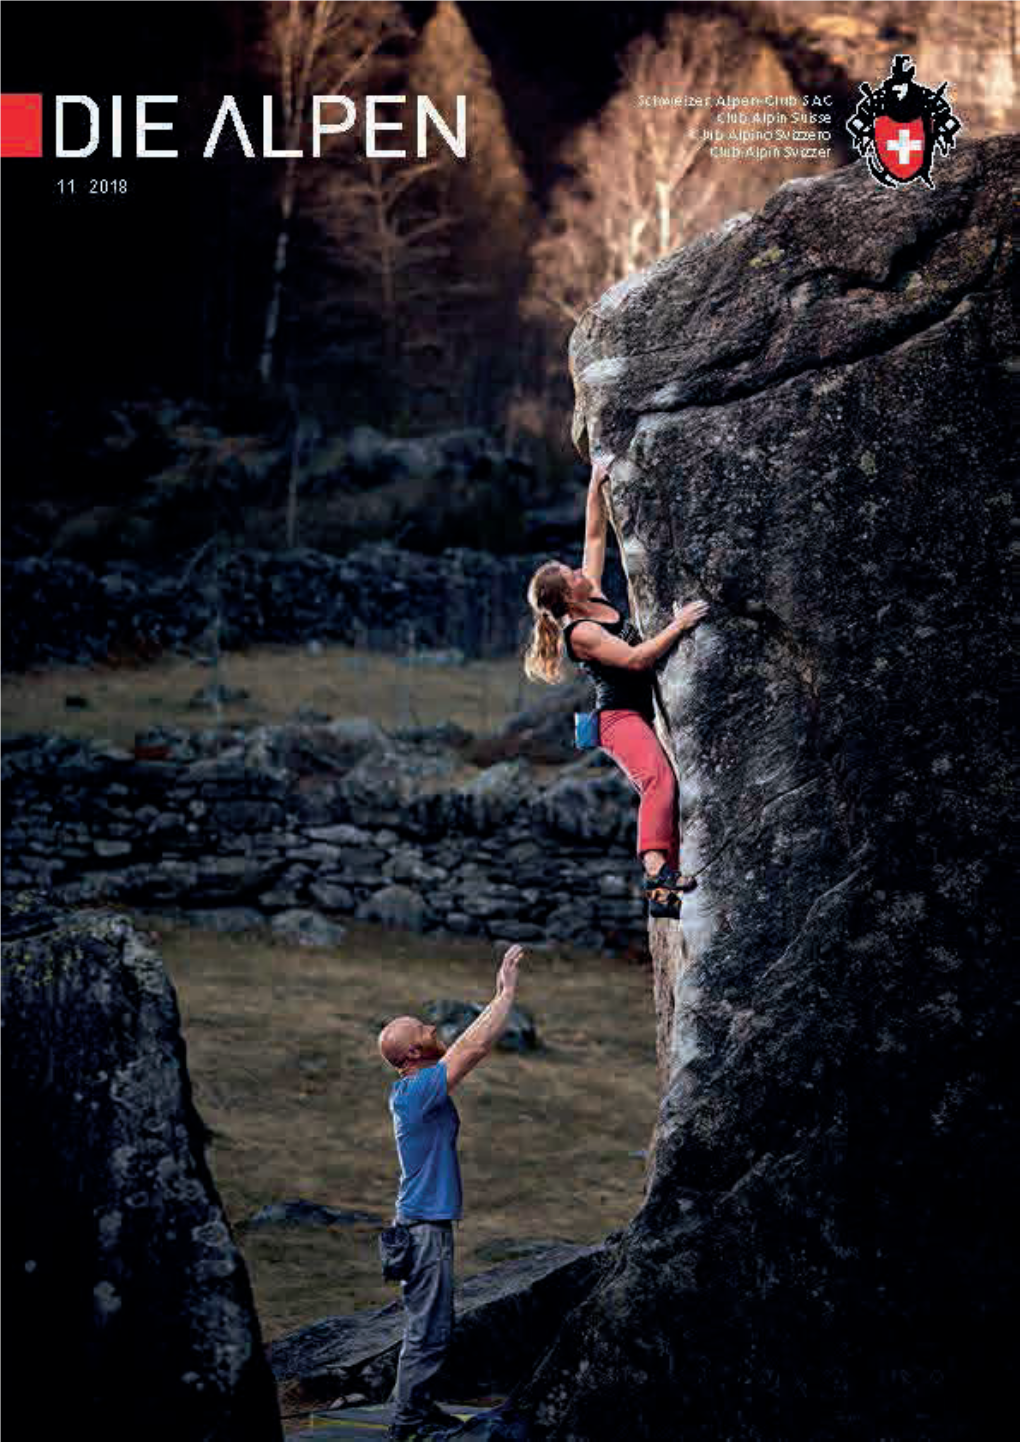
281 1051
117 702
281 1040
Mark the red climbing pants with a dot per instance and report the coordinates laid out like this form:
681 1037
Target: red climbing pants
634 746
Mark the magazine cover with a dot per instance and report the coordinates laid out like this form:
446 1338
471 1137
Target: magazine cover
505 791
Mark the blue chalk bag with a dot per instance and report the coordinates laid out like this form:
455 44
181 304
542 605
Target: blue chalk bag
586 730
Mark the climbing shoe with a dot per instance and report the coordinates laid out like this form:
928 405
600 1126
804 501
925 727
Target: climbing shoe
664 892
439 1417
663 902
429 1429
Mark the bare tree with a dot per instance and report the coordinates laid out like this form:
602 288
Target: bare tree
314 47
636 190
488 187
305 431
387 232
392 235
478 323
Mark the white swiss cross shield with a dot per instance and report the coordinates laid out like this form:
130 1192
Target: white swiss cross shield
900 145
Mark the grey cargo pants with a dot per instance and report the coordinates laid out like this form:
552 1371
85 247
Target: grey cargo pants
428 1319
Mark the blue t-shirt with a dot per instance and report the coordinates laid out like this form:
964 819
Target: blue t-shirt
425 1125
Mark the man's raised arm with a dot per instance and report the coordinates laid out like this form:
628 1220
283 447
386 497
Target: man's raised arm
473 1045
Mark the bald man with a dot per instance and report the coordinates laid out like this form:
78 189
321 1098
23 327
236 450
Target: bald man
425 1125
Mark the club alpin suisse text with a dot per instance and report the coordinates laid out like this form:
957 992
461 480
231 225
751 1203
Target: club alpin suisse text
756 110
95 126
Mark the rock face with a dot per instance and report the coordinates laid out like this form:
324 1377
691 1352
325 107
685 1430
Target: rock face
809 412
121 1275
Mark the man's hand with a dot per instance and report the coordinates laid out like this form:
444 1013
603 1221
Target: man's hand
473 1045
506 977
690 614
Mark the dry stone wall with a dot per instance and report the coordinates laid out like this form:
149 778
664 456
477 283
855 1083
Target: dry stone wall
377 596
304 827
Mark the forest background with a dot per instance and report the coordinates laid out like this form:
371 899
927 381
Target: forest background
237 317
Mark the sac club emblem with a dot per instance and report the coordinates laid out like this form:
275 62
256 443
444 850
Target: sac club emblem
898 127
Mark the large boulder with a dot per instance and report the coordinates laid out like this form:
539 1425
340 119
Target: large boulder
121 1276
452 1018
396 906
809 413
505 1318
544 730
307 928
591 801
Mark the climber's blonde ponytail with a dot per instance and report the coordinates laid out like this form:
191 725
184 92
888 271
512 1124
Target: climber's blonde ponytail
547 597
543 660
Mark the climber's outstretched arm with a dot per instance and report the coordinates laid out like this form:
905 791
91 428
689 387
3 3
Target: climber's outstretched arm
596 520
475 1044
592 642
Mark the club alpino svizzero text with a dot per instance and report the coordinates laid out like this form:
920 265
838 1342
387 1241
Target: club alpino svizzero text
393 127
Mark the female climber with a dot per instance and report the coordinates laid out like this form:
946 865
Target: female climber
572 616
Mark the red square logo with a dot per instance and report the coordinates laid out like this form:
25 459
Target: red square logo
20 125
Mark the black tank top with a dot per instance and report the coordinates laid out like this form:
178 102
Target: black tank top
615 688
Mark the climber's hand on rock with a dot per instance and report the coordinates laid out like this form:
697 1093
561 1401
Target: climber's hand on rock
599 474
690 614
